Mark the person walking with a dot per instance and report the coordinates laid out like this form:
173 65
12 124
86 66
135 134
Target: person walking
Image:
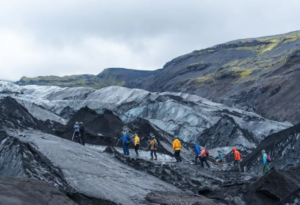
82 133
220 160
176 149
237 159
136 144
76 133
126 141
154 145
203 156
197 152
266 167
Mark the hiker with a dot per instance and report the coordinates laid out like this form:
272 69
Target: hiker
220 159
126 141
203 156
265 161
136 144
76 133
82 133
154 145
176 149
197 152
237 159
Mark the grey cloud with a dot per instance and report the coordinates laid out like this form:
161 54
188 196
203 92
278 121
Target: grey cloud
150 32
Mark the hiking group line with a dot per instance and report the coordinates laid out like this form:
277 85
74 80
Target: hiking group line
201 153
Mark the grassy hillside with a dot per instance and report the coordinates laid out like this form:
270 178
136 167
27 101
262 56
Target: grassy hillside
109 77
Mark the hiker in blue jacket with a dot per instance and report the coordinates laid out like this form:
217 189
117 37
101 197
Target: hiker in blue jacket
220 159
76 133
197 152
265 161
126 141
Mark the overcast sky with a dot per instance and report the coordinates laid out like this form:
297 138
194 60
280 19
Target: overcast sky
65 37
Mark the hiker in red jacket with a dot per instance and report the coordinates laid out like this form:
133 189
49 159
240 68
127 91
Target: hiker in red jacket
203 157
237 159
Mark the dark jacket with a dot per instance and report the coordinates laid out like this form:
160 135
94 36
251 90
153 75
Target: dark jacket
82 133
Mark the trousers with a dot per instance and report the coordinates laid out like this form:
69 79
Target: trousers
204 159
126 149
177 155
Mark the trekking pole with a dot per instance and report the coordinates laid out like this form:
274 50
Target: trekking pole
117 142
73 136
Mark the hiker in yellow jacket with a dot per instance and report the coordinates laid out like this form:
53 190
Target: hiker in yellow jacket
154 145
136 144
176 149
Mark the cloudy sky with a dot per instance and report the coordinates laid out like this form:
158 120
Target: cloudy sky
65 37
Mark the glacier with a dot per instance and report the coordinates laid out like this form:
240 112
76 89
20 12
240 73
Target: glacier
179 114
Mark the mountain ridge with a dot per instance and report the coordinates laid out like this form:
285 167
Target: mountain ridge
108 77
254 74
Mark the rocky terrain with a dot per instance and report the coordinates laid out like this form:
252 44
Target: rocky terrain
35 144
109 77
28 191
187 116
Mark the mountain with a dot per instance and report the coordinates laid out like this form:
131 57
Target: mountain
109 77
257 74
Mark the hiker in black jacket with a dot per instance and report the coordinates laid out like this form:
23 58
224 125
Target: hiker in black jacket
82 132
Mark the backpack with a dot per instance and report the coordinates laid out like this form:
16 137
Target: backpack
155 144
128 138
76 128
207 153
269 158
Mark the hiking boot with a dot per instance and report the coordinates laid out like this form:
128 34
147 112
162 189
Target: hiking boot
151 158
155 158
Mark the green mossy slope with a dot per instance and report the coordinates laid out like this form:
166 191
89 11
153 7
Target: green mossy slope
109 77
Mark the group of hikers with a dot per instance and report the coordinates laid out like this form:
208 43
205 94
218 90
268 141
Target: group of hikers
203 154
126 139
200 152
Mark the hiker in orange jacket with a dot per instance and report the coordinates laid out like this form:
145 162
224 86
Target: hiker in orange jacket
237 158
203 157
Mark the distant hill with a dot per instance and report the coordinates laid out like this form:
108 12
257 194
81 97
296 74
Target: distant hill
109 77
257 74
